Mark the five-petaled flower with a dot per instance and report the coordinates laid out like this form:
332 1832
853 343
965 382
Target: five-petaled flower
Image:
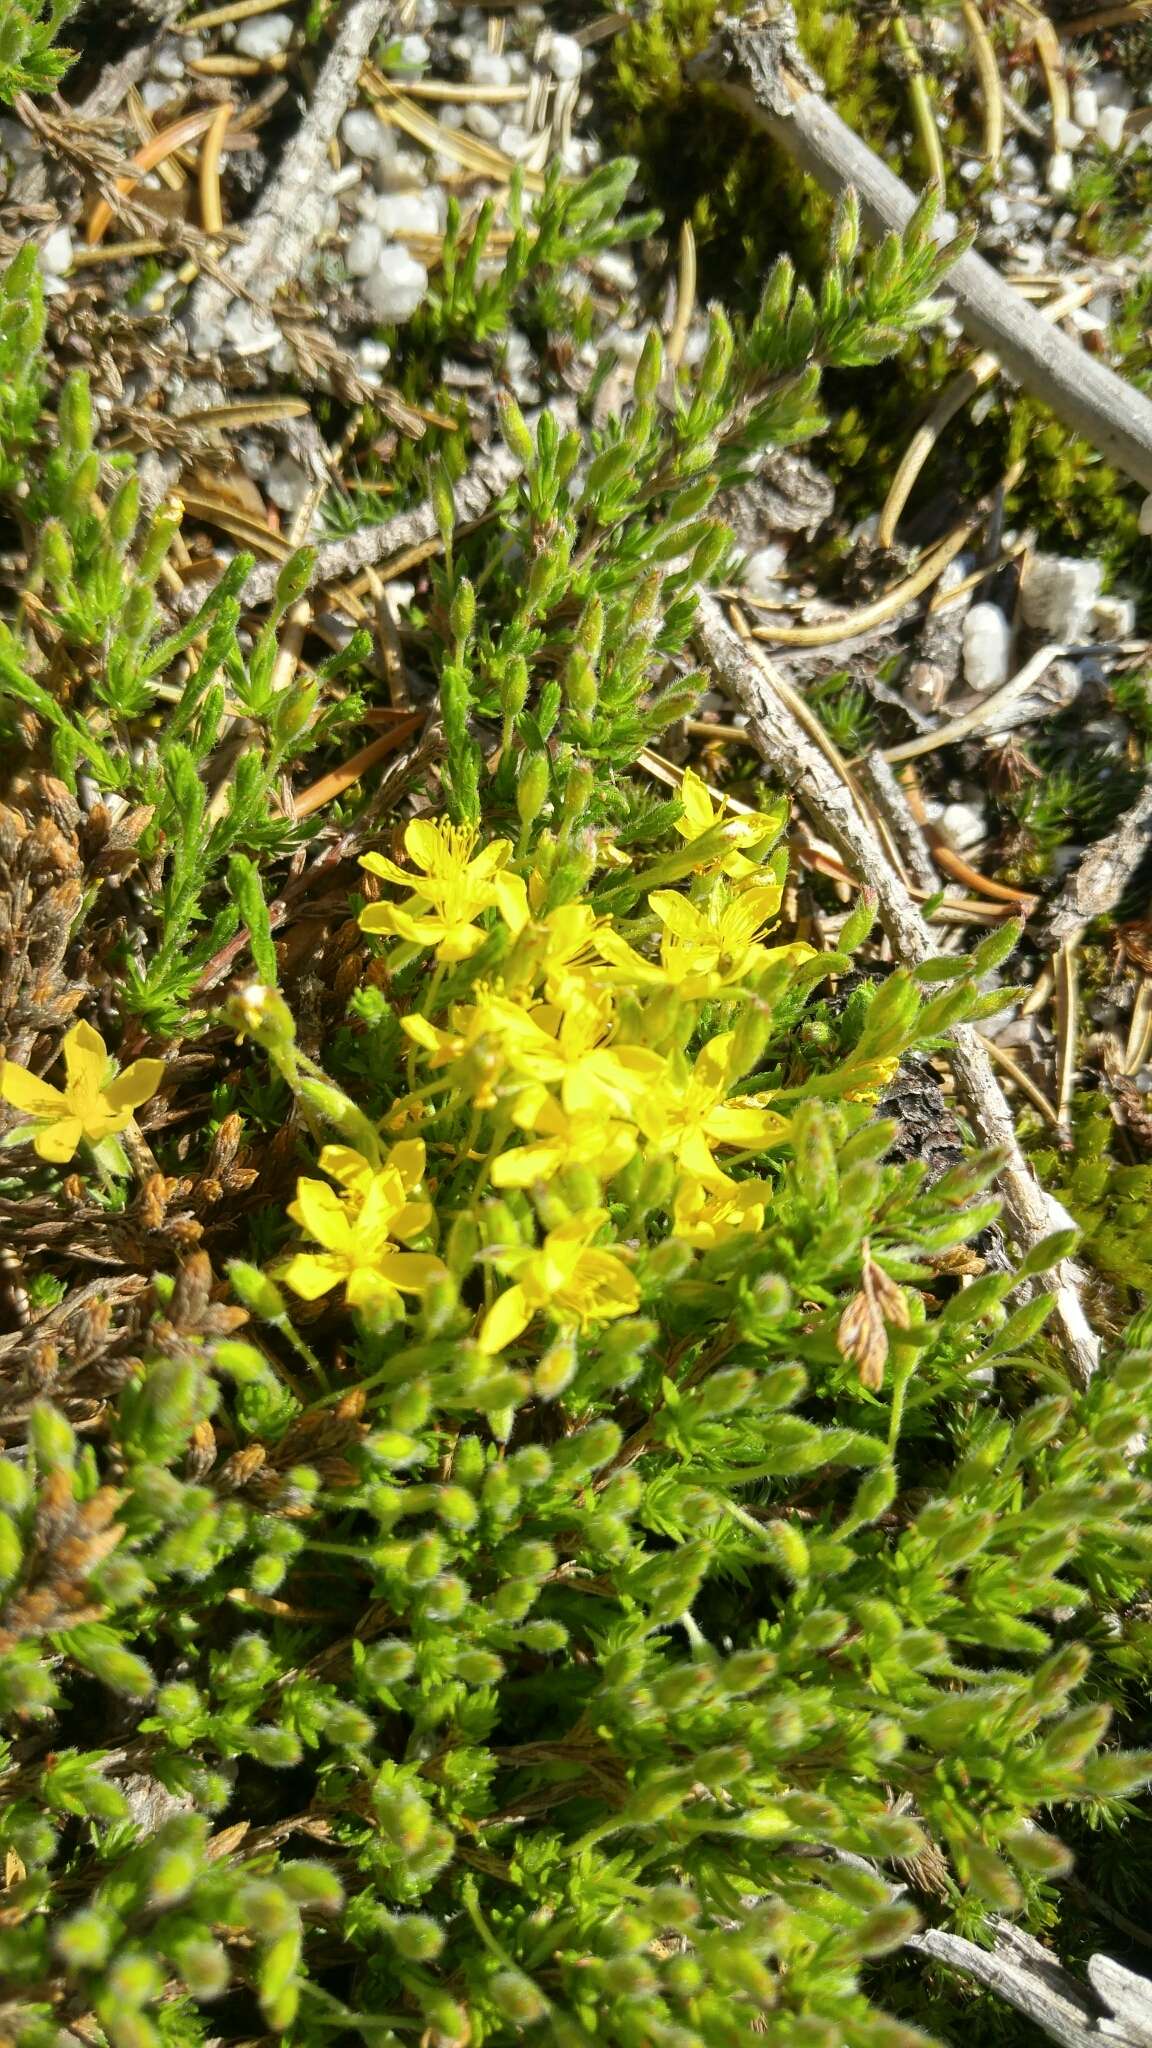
95 1102
358 1230
700 815
451 893
567 1277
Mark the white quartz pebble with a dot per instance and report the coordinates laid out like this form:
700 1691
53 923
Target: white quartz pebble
1058 593
987 640
408 213
265 36
365 246
565 58
396 286
365 136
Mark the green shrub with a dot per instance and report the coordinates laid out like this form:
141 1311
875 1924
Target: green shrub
595 1541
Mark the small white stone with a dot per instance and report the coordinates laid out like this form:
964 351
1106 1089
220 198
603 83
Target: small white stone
364 249
486 69
286 483
565 58
1069 134
372 354
519 67
987 640
516 141
169 61
482 121
1085 106
265 36
1110 127
397 285
762 570
612 266
154 94
1058 593
1061 171
411 54
367 137
406 171
408 213
56 253
971 169
999 210
963 825
1114 617
248 330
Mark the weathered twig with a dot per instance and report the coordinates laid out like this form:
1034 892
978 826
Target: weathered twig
757 68
288 216
1032 1213
489 476
1103 875
1024 1975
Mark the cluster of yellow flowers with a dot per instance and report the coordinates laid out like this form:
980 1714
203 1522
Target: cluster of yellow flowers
554 1076
548 1056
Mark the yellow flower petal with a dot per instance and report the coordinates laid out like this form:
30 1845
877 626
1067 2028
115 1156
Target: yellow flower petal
57 1142
347 1166
411 1271
507 1317
319 1210
409 1159
137 1084
379 864
85 1058
311 1274
511 895
27 1092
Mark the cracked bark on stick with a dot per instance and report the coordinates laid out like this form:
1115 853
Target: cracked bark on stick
287 220
1032 1213
1103 875
759 67
487 480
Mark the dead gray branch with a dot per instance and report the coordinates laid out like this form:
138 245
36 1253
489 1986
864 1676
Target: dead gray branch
1032 1213
1103 875
487 480
287 220
757 69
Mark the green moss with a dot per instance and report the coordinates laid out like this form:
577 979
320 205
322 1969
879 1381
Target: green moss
1109 1198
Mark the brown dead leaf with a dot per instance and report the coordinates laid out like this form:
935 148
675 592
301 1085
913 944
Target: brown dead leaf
862 1335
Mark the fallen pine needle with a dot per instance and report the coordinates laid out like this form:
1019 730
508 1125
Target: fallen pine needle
339 779
685 296
1067 1022
215 17
892 601
1023 1081
988 73
211 202
983 714
163 144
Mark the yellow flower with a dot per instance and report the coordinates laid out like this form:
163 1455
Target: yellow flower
358 1230
568 1049
95 1102
453 891
566 1277
708 1216
691 1112
562 1140
705 950
556 952
700 815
